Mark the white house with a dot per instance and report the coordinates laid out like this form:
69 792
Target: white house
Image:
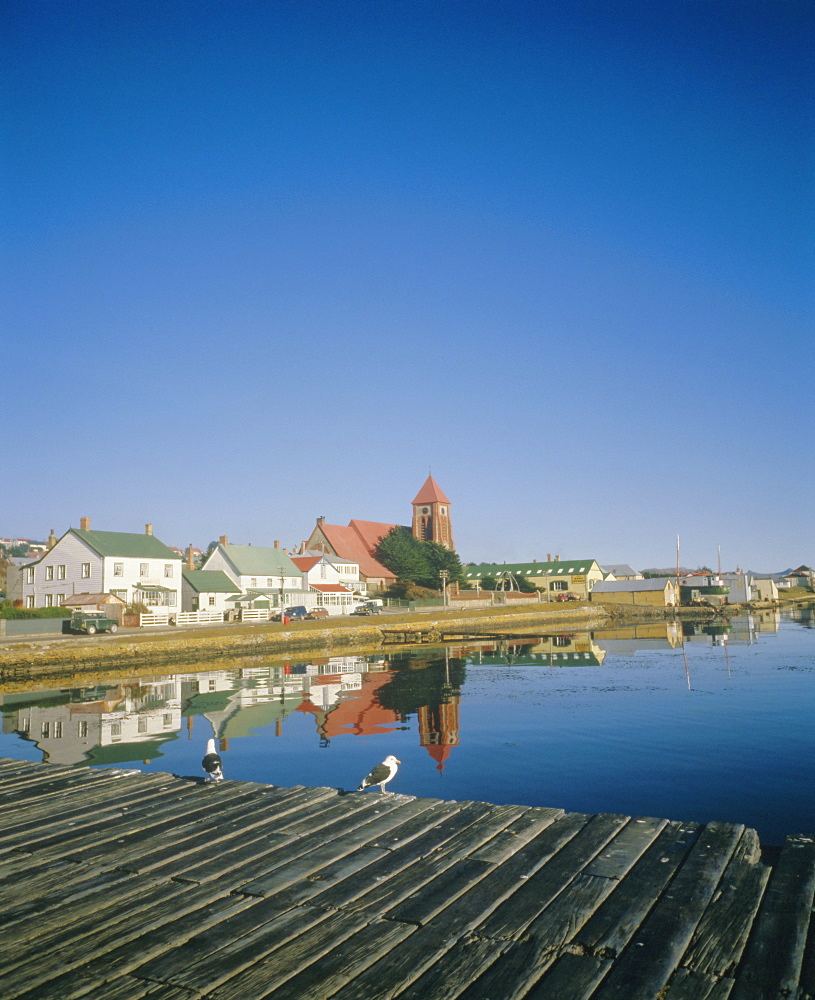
206 590
262 573
334 580
134 567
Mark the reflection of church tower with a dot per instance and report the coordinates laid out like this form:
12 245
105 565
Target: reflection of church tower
431 515
438 730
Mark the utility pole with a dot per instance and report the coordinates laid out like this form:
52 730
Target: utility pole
444 573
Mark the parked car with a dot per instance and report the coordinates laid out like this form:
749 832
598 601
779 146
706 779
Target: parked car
566 597
294 614
318 613
365 609
91 622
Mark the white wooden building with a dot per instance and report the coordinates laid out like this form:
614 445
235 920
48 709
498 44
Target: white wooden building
134 567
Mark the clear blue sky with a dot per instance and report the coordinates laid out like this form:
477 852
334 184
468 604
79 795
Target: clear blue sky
264 261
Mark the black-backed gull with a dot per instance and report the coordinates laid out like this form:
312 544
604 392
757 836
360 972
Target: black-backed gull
381 774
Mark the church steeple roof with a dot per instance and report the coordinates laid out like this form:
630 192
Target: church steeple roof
431 492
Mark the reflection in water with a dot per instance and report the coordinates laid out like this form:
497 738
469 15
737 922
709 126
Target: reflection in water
569 705
348 695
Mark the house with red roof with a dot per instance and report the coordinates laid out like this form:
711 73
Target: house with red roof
335 581
358 540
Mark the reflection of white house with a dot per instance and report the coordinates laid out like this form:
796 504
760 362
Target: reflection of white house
133 567
127 722
261 572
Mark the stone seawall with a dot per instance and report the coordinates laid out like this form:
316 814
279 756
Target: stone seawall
142 651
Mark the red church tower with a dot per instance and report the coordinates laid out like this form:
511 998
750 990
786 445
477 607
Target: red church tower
431 515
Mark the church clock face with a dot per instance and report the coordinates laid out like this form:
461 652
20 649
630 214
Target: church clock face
425 510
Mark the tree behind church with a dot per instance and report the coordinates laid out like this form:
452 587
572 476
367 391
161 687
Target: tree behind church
417 562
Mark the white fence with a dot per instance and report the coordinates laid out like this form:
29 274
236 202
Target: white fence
199 617
254 614
153 619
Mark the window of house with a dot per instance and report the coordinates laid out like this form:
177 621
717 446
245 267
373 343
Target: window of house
86 570
45 730
212 683
212 600
167 720
60 598
30 601
144 569
49 572
49 600
61 572
142 725
171 599
82 729
118 569
559 585
168 569
253 581
115 729
120 593
58 730
30 578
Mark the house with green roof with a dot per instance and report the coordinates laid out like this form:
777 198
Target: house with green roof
552 578
266 575
206 590
134 567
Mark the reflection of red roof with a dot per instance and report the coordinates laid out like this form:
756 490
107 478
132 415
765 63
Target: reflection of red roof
431 492
305 563
330 588
440 755
359 712
356 542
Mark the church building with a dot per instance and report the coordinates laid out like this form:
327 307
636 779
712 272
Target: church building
358 540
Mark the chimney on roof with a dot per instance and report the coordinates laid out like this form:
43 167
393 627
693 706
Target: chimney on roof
548 556
148 529
190 557
557 558
277 543
321 520
224 539
52 539
84 524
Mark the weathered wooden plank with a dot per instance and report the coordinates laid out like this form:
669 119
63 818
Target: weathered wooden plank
576 839
522 964
174 816
452 973
689 985
402 880
345 961
774 956
205 972
78 943
378 878
421 906
571 977
656 950
398 969
611 926
719 940
509 840
422 822
279 965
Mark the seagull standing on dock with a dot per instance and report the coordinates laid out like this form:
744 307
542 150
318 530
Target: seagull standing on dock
212 763
381 774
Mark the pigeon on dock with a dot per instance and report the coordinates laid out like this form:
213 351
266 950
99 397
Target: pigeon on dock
381 774
212 763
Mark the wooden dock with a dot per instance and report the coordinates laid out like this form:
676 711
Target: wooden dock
119 885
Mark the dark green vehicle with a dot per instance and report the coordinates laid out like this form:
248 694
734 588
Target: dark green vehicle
91 622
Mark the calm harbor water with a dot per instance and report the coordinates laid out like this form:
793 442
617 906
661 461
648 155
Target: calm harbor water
688 721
